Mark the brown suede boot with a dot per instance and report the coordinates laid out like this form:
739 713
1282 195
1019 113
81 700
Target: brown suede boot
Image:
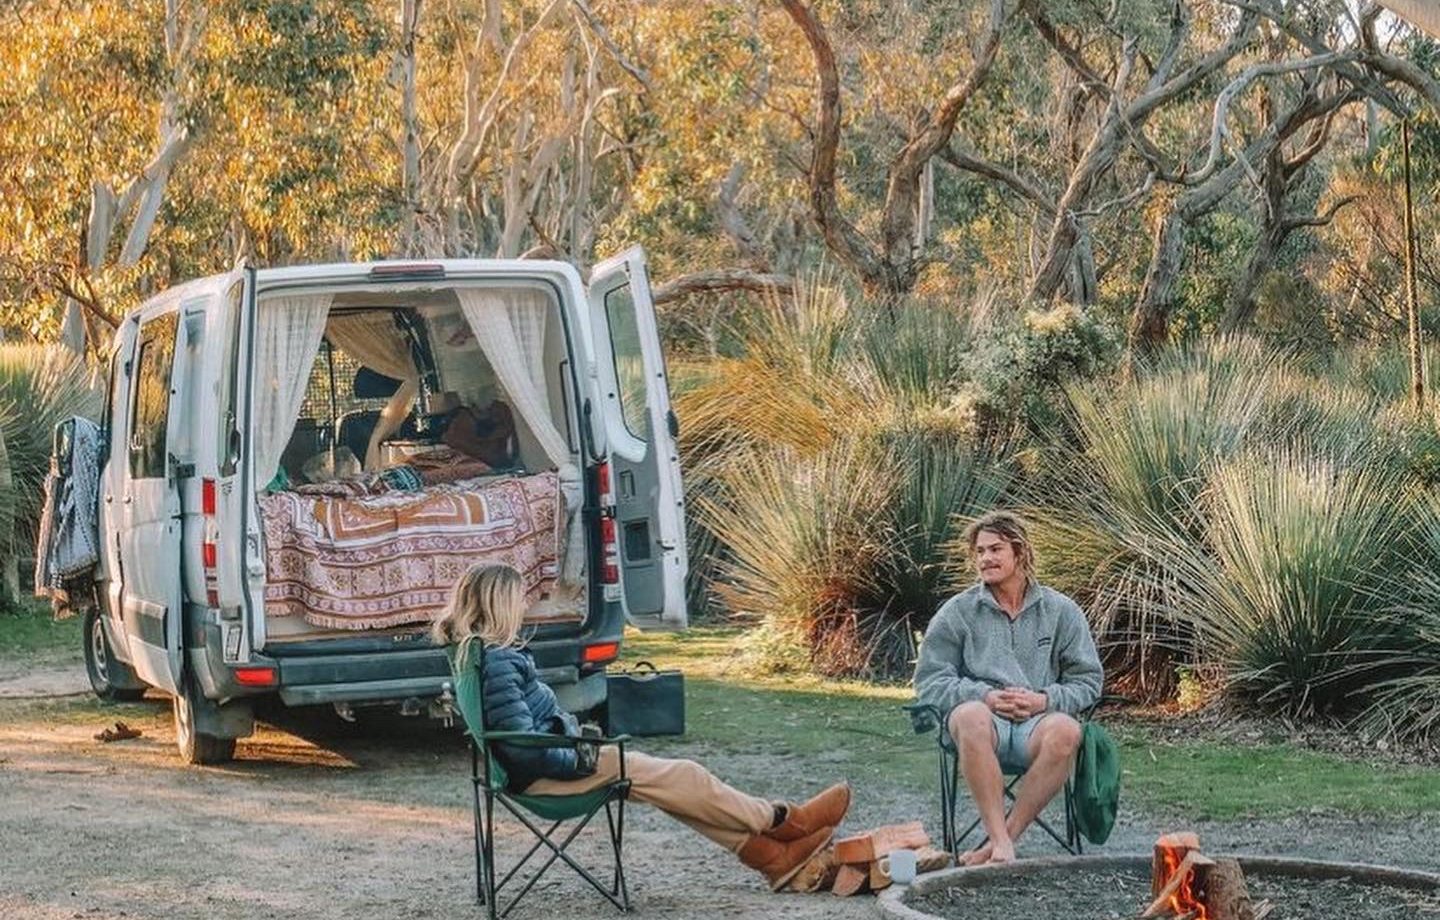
779 862
824 810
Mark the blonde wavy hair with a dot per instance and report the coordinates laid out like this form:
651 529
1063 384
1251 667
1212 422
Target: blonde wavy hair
488 604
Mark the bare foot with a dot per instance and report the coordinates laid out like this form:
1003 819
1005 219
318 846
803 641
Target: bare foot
978 856
1003 853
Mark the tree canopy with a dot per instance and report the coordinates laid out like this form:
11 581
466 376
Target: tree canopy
1181 166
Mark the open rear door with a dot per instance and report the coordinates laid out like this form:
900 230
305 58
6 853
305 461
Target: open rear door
149 542
641 431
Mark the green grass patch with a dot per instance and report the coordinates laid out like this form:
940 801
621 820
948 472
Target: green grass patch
859 730
85 710
31 634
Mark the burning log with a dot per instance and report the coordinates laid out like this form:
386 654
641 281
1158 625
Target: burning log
1226 896
1187 885
1177 895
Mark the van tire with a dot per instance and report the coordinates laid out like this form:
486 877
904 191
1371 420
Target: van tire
197 748
110 678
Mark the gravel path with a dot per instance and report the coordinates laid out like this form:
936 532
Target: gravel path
320 821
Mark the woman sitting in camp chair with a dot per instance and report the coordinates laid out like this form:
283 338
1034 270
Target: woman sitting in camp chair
483 620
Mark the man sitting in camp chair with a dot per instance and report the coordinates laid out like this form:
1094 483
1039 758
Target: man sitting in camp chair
1009 663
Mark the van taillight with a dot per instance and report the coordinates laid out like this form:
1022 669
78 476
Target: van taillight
600 653
610 549
609 544
255 677
209 551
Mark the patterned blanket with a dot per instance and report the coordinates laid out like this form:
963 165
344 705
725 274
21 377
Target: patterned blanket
385 560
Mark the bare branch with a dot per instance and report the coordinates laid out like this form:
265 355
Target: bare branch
1317 220
603 34
840 235
1123 201
721 279
898 219
1218 131
1017 183
1396 68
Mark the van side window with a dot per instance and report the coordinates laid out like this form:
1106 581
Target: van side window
113 395
149 413
230 330
629 360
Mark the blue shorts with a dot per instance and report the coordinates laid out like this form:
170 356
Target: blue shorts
1012 740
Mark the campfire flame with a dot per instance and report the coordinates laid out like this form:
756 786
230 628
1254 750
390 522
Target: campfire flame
1185 902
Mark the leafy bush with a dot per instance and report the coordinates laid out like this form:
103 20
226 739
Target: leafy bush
1304 555
1122 496
39 387
827 464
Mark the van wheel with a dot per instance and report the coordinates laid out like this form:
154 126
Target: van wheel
197 748
110 678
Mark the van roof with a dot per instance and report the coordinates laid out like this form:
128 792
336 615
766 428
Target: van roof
339 272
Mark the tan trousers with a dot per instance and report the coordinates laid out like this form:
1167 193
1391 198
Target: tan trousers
681 788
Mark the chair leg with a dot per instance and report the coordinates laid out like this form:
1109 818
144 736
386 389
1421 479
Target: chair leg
947 804
480 838
1072 829
617 842
489 848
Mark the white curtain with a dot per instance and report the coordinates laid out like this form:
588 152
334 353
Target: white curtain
373 339
509 325
287 336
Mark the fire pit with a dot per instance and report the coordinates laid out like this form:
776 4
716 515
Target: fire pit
1123 887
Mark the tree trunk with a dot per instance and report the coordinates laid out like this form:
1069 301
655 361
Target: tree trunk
410 123
1240 301
1150 322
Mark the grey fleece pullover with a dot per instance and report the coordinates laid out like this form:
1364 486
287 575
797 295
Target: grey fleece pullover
972 647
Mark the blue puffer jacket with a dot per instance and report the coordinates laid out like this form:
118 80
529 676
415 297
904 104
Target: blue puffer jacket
516 701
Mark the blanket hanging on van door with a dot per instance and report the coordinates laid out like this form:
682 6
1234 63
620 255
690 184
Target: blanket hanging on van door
386 560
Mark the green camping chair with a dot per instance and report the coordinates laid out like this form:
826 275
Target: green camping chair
926 718
490 784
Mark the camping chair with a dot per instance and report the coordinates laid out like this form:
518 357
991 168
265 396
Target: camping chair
923 717
490 785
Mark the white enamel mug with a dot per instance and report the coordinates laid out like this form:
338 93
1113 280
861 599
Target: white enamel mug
899 865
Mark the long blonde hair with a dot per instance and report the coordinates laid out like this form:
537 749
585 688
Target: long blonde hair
488 604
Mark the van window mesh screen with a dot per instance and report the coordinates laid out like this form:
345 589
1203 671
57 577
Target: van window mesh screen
317 392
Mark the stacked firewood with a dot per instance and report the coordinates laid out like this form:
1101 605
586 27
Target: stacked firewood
852 865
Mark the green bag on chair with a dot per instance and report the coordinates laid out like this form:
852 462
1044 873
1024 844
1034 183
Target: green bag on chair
1097 783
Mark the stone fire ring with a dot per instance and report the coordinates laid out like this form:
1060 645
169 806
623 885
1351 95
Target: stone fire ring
891 901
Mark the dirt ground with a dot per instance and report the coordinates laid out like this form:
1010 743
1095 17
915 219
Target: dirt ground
318 819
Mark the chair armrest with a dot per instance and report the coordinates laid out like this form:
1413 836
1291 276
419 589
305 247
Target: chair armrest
546 740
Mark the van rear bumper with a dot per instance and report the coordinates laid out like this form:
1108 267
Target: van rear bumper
574 692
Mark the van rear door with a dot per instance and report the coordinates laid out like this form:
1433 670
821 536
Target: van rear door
149 540
641 434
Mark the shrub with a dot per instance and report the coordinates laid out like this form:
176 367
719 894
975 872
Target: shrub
1405 701
805 534
39 387
1304 554
1121 496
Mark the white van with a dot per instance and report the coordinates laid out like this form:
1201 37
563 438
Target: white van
285 500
